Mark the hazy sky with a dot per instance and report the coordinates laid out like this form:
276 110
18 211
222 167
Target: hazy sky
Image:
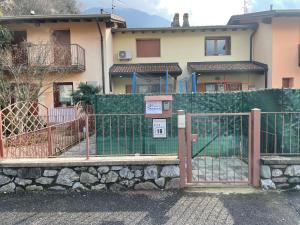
202 12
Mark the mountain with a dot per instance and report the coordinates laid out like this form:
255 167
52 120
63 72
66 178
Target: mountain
136 18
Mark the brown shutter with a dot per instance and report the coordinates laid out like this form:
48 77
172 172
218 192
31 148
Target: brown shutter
62 47
148 48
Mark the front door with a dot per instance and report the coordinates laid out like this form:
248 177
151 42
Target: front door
62 47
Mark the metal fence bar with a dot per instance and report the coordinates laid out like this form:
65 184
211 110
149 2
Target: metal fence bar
219 148
280 133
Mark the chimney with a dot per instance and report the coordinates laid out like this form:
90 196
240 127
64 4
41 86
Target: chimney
175 22
186 20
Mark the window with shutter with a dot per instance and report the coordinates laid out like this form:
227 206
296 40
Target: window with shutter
287 82
148 48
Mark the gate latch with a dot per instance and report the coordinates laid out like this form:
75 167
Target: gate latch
194 138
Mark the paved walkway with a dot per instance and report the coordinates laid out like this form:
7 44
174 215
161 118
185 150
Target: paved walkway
219 169
151 208
80 149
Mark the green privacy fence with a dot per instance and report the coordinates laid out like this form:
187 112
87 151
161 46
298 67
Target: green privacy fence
131 134
270 100
276 100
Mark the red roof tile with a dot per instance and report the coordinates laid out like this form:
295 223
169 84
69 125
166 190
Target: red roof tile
211 67
146 68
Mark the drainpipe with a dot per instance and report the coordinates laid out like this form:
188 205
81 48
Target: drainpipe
102 56
251 44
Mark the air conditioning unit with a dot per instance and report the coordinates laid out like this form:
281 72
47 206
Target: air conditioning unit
125 55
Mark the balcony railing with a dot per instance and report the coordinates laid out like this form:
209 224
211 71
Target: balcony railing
69 58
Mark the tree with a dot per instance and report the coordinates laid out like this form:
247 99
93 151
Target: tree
85 93
24 71
40 7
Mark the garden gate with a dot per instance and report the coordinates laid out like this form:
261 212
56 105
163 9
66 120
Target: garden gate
220 148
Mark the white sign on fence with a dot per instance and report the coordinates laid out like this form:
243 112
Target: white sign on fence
159 128
154 107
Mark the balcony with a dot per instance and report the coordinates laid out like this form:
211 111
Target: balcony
56 58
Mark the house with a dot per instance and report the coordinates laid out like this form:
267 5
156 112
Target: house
100 50
219 55
276 43
86 41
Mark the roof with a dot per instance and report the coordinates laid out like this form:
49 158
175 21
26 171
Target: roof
146 68
105 17
264 14
218 67
183 29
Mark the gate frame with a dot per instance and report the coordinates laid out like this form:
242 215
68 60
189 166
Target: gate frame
185 151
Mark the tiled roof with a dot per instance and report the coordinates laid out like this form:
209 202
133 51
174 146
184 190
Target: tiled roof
211 67
146 68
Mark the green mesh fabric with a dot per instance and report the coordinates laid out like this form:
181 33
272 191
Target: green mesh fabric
270 100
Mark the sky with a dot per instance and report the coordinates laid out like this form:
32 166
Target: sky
201 12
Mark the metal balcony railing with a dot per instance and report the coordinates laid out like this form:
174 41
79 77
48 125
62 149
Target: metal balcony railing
69 58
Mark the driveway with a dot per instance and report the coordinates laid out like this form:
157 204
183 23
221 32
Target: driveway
150 208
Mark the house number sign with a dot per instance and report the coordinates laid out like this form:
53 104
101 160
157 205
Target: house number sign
159 128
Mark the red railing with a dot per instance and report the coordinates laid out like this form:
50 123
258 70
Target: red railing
47 142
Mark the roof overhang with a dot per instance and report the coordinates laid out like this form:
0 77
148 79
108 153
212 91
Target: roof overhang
187 29
263 15
227 67
63 18
173 69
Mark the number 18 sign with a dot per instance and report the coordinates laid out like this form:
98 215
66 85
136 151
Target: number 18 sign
159 128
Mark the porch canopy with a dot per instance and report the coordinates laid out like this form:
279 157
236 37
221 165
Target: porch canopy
228 67
127 70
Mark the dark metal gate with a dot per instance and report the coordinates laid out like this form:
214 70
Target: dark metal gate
218 147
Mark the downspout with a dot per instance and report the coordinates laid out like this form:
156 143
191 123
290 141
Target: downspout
102 56
251 44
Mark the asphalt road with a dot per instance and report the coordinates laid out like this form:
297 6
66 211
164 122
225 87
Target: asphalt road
150 208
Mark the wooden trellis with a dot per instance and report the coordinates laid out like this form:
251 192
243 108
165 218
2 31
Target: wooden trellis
23 117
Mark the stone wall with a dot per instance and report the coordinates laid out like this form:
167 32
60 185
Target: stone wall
101 178
280 173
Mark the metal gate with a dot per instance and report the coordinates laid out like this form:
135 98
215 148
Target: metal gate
218 147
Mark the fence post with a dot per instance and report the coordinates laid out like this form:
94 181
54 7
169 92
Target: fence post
181 147
49 141
87 137
255 147
1 138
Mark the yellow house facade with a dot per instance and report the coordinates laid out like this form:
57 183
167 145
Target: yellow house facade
187 48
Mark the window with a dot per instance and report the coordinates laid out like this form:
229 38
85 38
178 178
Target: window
217 46
148 47
287 82
63 94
